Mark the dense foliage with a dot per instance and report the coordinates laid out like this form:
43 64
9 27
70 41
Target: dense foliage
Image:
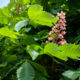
32 47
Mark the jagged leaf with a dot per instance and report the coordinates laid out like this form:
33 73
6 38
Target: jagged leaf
25 72
63 51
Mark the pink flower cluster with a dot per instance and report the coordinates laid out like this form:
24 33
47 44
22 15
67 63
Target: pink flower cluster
58 30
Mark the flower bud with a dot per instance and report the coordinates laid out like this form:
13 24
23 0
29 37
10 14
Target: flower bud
63 41
51 32
58 14
60 36
50 38
62 28
47 42
53 38
63 32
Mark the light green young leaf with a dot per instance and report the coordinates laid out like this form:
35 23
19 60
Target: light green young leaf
21 24
51 48
25 72
26 1
8 33
69 50
63 51
4 15
38 16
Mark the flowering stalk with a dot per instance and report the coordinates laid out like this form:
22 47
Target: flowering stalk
58 31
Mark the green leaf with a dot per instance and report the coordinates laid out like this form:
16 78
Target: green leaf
38 16
8 33
3 64
39 68
34 50
72 74
51 48
25 72
63 51
26 1
4 15
41 78
69 50
28 39
11 58
21 24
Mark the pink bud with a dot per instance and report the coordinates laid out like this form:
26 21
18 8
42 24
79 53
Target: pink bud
56 30
62 28
63 41
63 13
47 42
58 14
51 32
60 21
62 17
60 36
53 38
50 38
63 32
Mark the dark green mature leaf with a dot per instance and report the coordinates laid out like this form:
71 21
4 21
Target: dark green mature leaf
39 68
39 77
72 74
3 64
11 58
21 24
28 39
25 72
